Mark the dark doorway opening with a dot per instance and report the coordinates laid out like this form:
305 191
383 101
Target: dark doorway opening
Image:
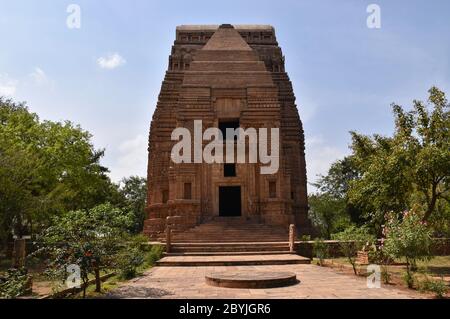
229 201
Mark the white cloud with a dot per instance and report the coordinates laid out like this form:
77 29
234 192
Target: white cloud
8 86
319 157
111 61
132 158
39 77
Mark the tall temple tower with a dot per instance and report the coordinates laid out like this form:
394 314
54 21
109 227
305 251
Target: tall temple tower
228 77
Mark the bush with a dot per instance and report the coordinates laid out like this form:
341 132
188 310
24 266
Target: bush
385 274
408 279
155 254
16 283
438 287
131 256
305 238
408 237
320 250
352 240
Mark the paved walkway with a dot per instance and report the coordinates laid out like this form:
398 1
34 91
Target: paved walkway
315 282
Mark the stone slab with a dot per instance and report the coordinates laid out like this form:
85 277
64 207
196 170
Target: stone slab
251 279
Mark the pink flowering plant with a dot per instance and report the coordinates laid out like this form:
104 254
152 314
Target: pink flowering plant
407 236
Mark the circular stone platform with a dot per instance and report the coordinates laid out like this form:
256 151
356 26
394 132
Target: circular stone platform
251 279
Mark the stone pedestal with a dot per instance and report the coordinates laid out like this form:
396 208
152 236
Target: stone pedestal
362 258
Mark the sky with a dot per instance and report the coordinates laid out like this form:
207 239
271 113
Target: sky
106 75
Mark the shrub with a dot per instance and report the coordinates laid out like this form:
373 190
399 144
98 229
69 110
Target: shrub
131 257
352 240
438 287
320 250
305 238
155 254
407 237
15 283
385 274
408 279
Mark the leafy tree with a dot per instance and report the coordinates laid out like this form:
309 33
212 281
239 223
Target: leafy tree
134 194
352 240
19 173
410 168
328 214
330 209
46 168
91 239
337 181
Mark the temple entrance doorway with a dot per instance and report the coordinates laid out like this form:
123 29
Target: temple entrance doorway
230 201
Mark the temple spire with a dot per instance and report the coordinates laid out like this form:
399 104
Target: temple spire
226 38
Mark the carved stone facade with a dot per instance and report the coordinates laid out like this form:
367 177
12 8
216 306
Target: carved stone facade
221 75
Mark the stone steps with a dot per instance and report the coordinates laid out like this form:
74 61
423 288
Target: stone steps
227 249
230 229
230 241
232 260
243 240
224 253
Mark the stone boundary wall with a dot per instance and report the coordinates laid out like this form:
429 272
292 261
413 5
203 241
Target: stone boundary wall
441 247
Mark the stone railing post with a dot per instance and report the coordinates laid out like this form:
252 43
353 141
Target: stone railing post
168 238
292 238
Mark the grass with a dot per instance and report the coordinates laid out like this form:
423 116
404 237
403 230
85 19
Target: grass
432 271
113 282
437 266
43 285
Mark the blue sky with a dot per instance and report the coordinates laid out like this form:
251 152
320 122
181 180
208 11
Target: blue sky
345 75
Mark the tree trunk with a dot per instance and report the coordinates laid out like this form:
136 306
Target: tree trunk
9 247
98 282
85 284
19 253
408 273
431 204
352 262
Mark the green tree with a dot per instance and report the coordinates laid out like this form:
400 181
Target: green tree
328 214
46 168
338 178
91 239
330 209
410 168
134 193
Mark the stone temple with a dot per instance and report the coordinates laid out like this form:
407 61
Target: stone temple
228 77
